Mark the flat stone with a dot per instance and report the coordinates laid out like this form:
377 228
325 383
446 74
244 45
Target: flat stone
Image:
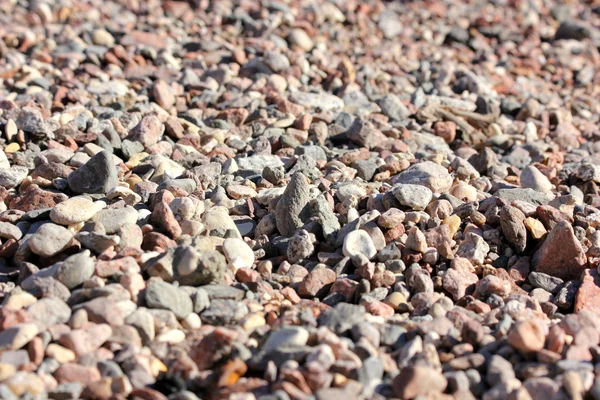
112 219
72 211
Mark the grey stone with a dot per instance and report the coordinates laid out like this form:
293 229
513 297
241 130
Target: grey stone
163 295
428 174
98 175
292 209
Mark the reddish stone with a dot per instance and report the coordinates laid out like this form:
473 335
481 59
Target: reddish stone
162 215
588 294
34 198
146 394
561 255
377 307
346 287
317 282
105 269
291 295
246 275
76 373
446 130
154 241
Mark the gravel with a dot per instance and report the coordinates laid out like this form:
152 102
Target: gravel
299 200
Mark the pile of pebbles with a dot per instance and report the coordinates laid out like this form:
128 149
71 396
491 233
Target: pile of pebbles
297 200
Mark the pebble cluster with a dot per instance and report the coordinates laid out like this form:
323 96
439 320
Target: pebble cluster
299 200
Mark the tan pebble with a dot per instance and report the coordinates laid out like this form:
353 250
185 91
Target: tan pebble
18 301
12 148
535 227
453 223
191 322
253 322
6 371
464 192
395 299
172 336
60 354
157 366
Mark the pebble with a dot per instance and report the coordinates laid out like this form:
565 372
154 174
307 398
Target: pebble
49 240
272 200
164 296
98 175
532 178
17 336
238 252
359 243
73 211
561 254
429 174
527 336
416 197
413 381
293 207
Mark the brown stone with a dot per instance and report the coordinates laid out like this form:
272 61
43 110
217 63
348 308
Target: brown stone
413 381
561 255
588 294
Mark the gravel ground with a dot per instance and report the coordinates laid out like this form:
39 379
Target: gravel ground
297 200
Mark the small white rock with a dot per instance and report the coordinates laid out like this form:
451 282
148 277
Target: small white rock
359 242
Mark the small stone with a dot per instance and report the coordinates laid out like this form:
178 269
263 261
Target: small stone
317 282
292 209
60 354
86 340
300 246
527 336
416 240
162 295
102 38
286 337
98 175
17 336
535 227
429 174
513 228
300 38
75 270
561 254
49 240
413 381
112 219
9 231
359 242
74 210
163 94
13 176
588 294
416 197
238 252
532 178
